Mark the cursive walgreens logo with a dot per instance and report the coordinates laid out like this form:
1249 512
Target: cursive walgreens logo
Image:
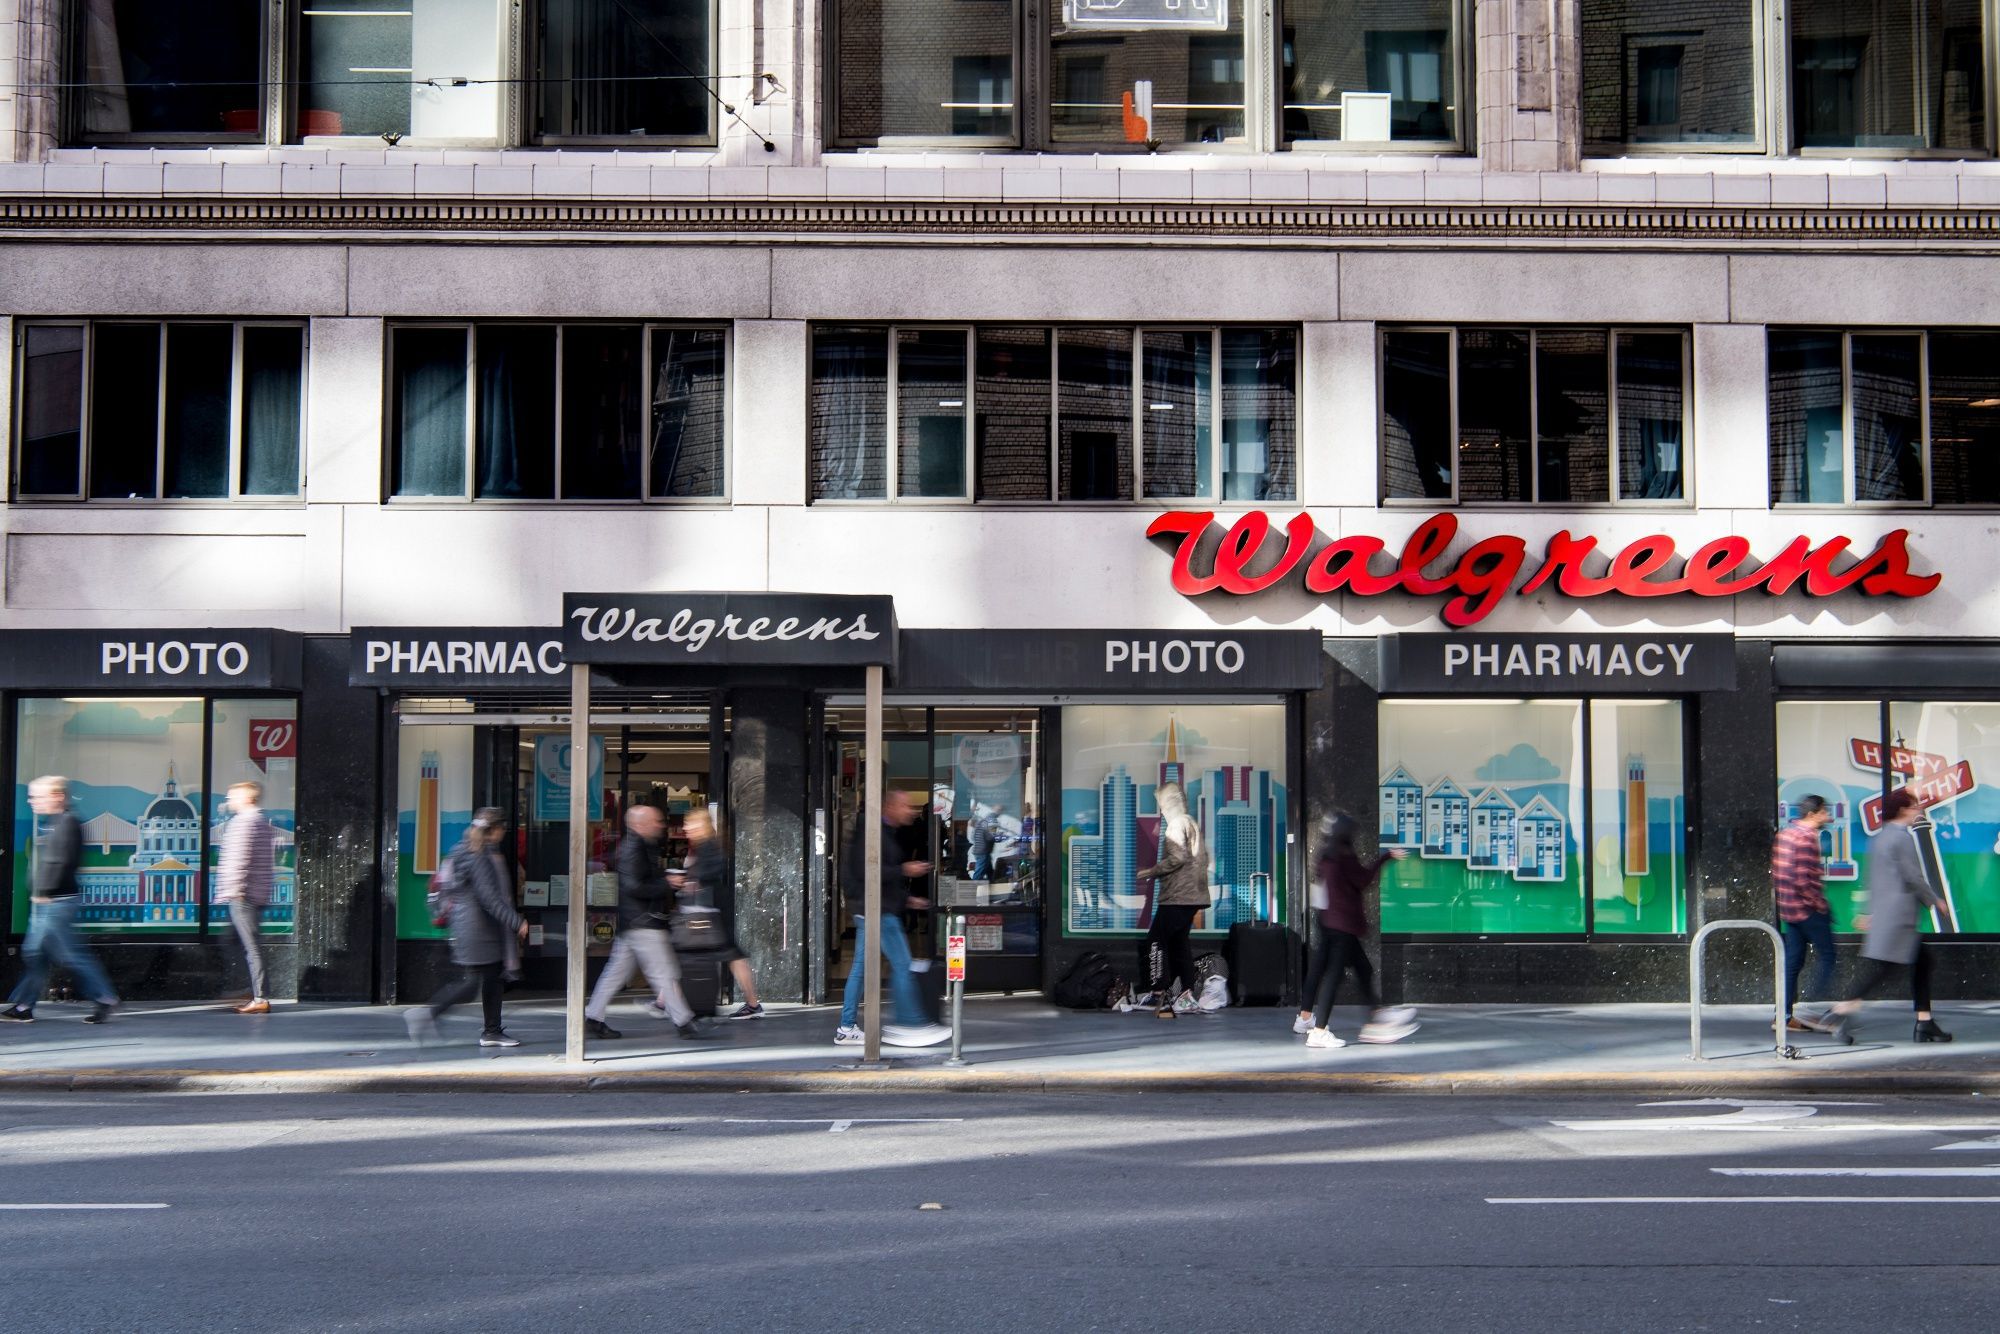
610 625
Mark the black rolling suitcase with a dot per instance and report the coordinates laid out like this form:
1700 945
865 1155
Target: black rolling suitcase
1256 956
701 983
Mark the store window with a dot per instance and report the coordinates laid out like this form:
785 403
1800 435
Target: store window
1155 413
147 777
1535 416
902 76
625 70
1898 75
1494 800
1892 417
578 412
185 410
1673 74
1370 72
1230 760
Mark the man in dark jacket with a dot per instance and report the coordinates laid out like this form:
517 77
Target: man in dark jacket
913 1026
482 914
53 895
642 944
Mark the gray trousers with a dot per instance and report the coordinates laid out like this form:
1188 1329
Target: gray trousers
245 917
651 953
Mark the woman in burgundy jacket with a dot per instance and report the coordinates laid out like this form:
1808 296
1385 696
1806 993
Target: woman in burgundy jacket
1343 876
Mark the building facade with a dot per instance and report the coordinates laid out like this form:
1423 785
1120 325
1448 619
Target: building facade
1561 434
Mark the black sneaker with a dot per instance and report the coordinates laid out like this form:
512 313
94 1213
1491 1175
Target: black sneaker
749 1012
597 1028
101 1014
498 1039
17 1014
691 1033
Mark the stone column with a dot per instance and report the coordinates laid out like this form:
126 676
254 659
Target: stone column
776 38
36 67
768 828
1736 756
1529 114
342 909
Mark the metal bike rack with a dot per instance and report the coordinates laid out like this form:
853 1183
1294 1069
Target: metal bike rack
1779 1045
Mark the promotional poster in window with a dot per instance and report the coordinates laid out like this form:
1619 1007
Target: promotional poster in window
136 785
1230 759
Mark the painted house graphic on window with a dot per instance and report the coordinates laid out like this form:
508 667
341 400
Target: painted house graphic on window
1541 834
1400 810
1495 837
1447 820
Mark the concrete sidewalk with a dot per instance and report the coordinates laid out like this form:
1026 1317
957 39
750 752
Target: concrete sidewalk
1013 1044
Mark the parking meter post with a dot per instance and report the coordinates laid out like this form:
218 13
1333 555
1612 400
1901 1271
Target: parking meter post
955 975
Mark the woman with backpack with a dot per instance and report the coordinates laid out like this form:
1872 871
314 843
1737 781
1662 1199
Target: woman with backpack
481 909
1180 895
1342 877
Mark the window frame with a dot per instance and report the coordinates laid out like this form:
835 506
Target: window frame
1612 332
1138 496
89 325
1465 112
649 374
521 58
270 103
1763 100
1848 499
830 76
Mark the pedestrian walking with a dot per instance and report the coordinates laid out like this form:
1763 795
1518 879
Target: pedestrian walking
644 913
913 1027
482 915
243 881
1798 883
1180 894
53 899
698 882
1892 946
1342 877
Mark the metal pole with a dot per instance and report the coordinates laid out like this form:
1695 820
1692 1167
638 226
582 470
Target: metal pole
576 930
869 939
1695 946
957 928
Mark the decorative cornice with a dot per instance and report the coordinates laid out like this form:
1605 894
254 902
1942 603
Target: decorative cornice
192 218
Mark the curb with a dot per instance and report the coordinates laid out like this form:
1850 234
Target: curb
932 1080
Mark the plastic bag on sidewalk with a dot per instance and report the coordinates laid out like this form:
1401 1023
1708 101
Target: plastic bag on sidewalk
1214 995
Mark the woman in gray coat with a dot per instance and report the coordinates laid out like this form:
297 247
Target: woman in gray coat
1180 896
482 916
1897 890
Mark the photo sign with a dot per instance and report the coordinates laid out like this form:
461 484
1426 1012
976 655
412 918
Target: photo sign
149 659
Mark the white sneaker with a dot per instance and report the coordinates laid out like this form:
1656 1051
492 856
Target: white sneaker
423 1028
849 1035
1394 1015
1379 1033
1302 1024
923 1035
658 1011
1321 1039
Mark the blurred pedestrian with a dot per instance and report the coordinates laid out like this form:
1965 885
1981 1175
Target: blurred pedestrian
482 913
1180 894
1892 946
53 899
644 912
1798 883
1343 878
243 879
698 882
913 1026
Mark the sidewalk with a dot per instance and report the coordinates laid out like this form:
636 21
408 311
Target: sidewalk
1013 1044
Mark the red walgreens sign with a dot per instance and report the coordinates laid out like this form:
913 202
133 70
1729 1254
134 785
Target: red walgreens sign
1916 763
1245 561
1950 785
273 739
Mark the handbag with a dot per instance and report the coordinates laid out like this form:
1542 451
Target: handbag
696 930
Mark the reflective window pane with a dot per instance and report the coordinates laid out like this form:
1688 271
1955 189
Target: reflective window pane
1894 74
1259 414
849 413
1369 71
1888 421
424 69
1101 80
1094 413
1014 405
172 68
1669 72
273 399
1807 438
1955 836
603 420
51 411
427 379
1417 457
1638 818
125 412
1965 418
200 367
514 433
1651 416
1493 445
256 740
1177 413
689 391
930 412
625 67
905 72
1573 414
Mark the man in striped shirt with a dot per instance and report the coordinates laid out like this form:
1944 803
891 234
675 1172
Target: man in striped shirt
1803 915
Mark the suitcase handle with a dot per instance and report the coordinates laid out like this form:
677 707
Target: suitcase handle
1265 901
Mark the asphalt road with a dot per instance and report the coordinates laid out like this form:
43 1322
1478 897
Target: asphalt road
1178 1214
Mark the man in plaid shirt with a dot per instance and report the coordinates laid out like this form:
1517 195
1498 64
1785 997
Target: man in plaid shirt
1803 915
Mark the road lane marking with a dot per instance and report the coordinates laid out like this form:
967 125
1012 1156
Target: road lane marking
837 1126
1857 1171
1755 1114
1989 1144
1745 1199
75 1207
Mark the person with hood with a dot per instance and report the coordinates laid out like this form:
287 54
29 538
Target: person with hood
1896 887
1180 895
1342 877
482 913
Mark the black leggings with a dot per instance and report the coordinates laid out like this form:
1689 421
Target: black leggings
1171 924
1338 951
478 979
1875 974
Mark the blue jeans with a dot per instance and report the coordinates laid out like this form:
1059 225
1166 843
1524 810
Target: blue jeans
902 984
1816 931
54 942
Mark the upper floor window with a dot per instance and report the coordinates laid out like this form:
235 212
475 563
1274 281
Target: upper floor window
159 71
1896 417
1145 73
182 410
1889 76
1032 413
624 70
621 412
1534 416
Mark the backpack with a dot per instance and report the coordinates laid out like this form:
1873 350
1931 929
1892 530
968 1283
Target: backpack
444 891
1087 984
